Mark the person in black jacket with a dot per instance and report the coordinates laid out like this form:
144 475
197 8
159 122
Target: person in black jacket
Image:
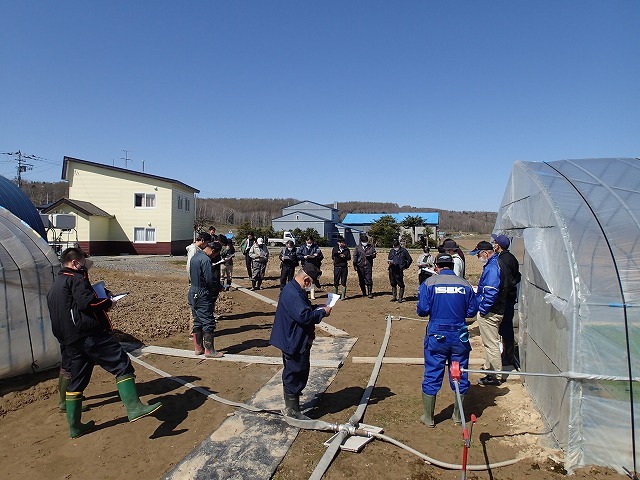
288 263
511 267
309 252
399 260
363 256
80 322
340 254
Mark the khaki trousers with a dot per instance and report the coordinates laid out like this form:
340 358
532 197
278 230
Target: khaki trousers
489 326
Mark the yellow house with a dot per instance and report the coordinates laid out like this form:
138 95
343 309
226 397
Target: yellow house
124 211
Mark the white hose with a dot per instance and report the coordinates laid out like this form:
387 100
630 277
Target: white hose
438 463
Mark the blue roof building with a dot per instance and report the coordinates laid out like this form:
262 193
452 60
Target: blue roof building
363 221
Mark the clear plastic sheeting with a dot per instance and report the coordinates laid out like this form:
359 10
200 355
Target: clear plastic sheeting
577 223
28 266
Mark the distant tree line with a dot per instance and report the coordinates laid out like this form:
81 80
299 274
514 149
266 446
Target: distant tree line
43 193
258 212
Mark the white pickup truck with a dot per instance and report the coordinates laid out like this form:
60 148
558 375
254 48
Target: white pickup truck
286 236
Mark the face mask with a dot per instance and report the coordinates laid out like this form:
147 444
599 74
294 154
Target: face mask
397 249
483 260
309 244
364 244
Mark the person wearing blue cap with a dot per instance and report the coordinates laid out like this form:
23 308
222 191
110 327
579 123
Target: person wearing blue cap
509 263
448 300
491 300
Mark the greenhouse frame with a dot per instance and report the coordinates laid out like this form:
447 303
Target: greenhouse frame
575 226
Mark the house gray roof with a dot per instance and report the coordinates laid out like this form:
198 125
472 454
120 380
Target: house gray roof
87 208
123 170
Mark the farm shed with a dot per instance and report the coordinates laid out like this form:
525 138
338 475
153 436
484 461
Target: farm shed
578 225
27 269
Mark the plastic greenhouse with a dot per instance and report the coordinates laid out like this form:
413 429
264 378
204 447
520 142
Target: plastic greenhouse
577 225
27 269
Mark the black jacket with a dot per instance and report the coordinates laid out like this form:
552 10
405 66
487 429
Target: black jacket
75 309
340 259
509 264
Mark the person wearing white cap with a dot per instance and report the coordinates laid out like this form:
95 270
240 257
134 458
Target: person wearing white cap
259 254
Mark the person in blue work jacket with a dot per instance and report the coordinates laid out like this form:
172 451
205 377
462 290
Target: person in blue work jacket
448 300
293 333
492 294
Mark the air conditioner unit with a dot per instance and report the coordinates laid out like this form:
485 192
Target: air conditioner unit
46 221
63 221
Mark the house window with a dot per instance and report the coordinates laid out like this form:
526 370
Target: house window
145 200
180 202
187 204
144 235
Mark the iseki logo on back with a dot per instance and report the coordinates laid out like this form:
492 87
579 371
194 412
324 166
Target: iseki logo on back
450 290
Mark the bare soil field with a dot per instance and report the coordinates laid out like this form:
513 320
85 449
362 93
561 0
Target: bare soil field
34 439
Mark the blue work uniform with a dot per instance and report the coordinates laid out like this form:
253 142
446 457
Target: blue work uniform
448 300
293 333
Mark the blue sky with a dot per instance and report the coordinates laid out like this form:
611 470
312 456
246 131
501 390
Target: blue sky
422 103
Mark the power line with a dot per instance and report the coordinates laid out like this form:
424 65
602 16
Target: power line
22 166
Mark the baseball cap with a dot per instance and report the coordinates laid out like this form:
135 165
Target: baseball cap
483 245
311 270
444 258
449 244
501 240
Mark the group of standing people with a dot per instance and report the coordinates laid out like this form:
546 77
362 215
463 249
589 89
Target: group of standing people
448 299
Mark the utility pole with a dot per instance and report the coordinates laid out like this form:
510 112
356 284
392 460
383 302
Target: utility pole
22 166
126 158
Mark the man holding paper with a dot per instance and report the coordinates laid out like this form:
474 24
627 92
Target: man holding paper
293 333
80 322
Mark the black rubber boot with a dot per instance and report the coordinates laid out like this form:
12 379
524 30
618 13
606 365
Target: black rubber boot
370 291
253 284
456 410
129 395
74 413
209 350
401 295
292 406
394 293
429 405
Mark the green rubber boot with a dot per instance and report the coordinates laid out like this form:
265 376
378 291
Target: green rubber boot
74 412
456 411
335 290
63 383
129 395
344 293
429 404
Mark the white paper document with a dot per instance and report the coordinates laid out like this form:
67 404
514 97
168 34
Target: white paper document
332 299
117 297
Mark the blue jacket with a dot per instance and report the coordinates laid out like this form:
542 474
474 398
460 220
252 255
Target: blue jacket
294 323
447 299
491 291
